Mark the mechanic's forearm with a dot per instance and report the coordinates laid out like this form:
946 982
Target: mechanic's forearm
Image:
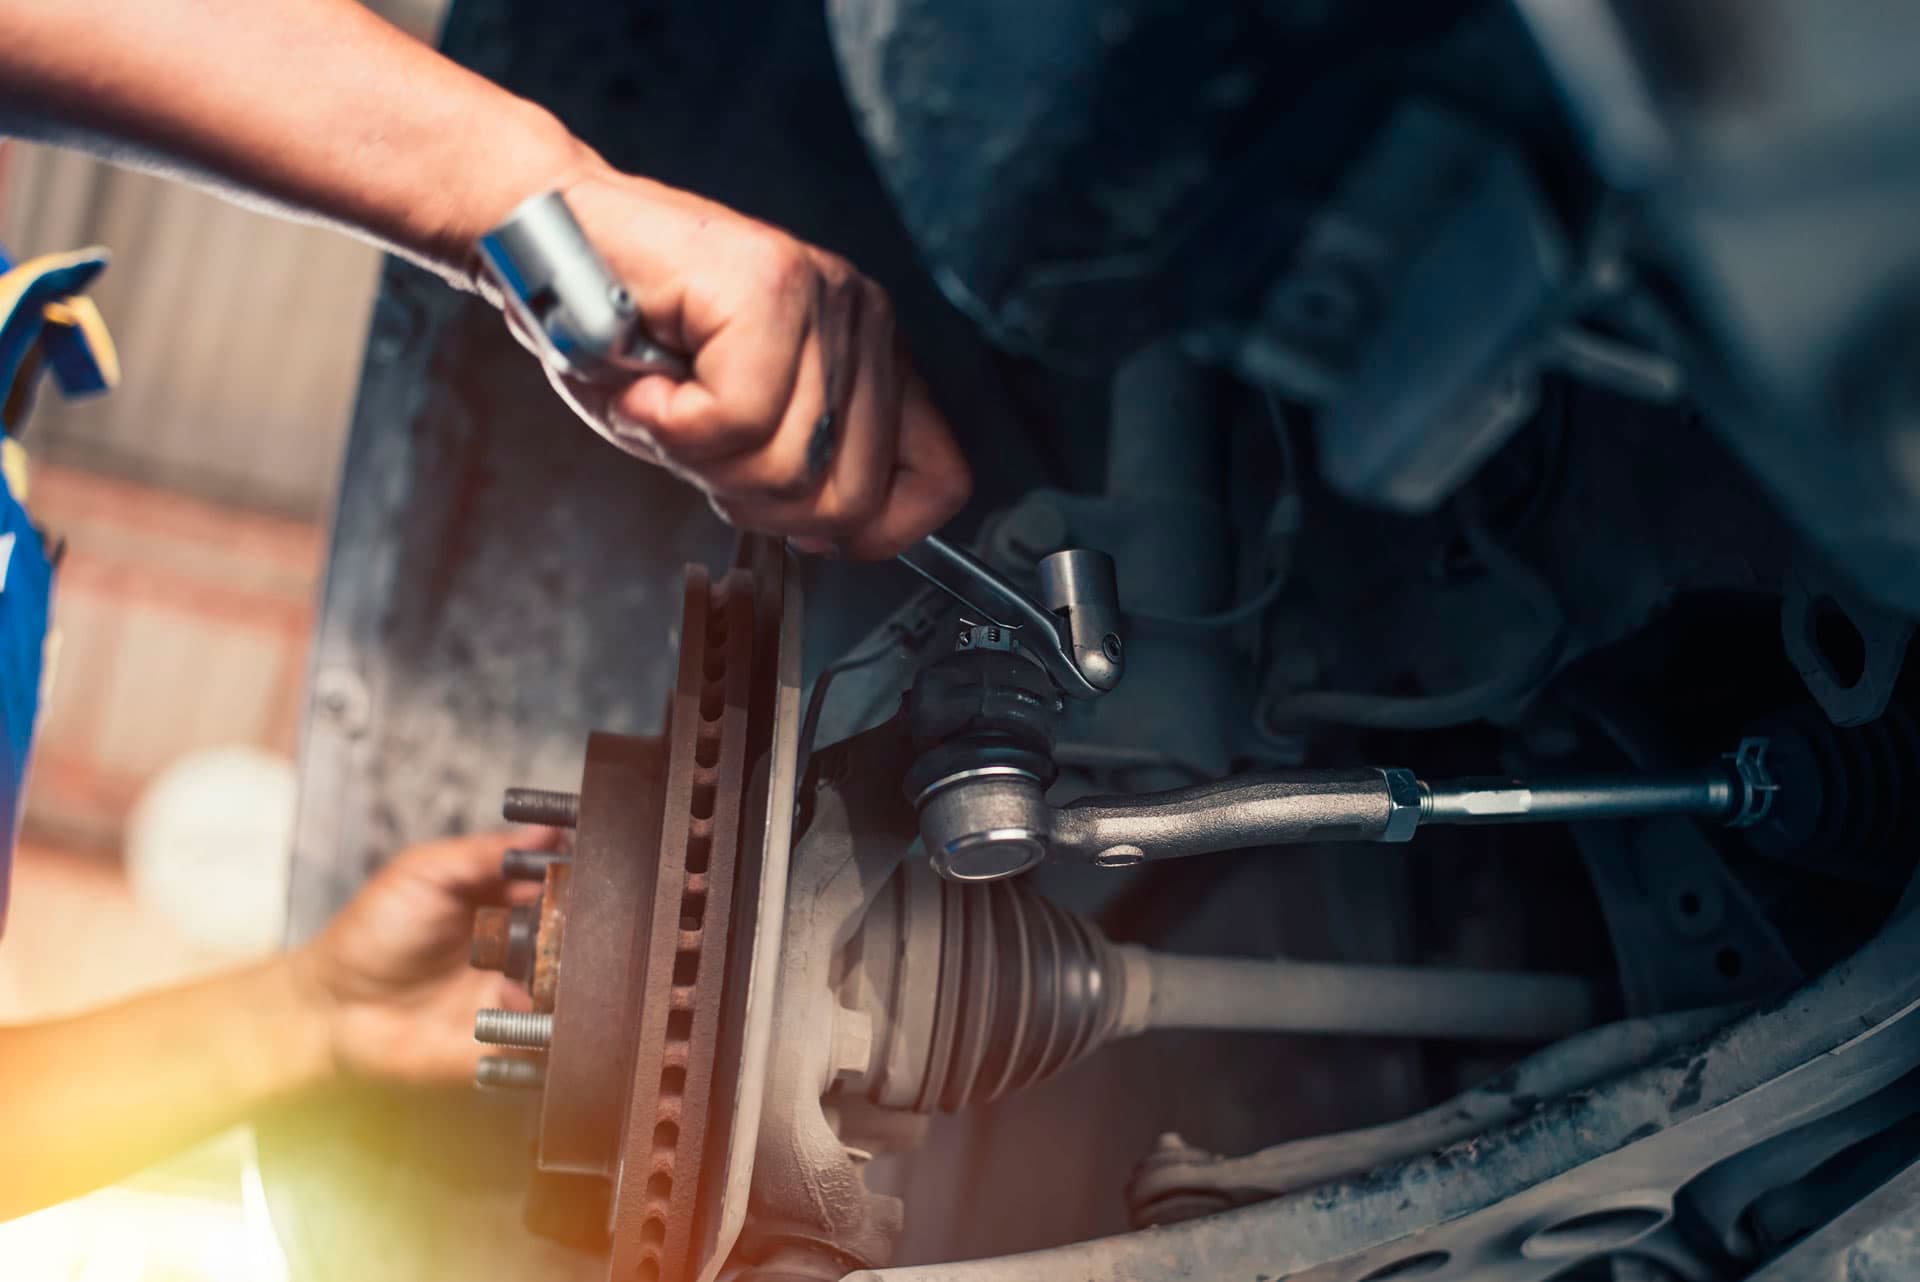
90 1099
316 105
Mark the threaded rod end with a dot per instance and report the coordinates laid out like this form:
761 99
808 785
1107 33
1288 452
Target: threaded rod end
522 1029
541 806
498 1073
529 865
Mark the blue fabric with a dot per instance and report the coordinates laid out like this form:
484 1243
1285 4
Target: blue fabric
73 366
72 363
26 590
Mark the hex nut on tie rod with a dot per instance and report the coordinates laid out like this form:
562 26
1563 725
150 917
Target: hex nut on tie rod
1406 802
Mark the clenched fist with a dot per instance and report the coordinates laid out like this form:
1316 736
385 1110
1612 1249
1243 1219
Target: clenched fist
803 416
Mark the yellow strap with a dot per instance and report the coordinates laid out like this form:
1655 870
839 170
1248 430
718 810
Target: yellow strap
51 283
13 465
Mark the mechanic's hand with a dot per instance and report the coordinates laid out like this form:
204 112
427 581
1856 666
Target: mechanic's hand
388 976
804 416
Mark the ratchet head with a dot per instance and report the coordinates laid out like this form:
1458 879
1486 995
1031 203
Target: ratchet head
1078 586
560 290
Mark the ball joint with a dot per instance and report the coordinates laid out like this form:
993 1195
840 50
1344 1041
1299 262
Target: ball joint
982 722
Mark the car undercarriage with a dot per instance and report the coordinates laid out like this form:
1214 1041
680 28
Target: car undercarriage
1413 780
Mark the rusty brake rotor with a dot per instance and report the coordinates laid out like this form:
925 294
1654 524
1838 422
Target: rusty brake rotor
642 947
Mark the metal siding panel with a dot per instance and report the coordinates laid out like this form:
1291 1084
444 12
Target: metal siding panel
241 334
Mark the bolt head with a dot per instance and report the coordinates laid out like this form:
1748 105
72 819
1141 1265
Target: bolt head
852 1043
343 700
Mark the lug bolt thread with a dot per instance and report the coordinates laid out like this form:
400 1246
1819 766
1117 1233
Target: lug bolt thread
529 865
498 1073
541 806
522 1029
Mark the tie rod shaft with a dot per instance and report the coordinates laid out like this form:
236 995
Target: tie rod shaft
962 818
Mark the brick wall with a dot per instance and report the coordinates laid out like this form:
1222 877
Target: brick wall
182 624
